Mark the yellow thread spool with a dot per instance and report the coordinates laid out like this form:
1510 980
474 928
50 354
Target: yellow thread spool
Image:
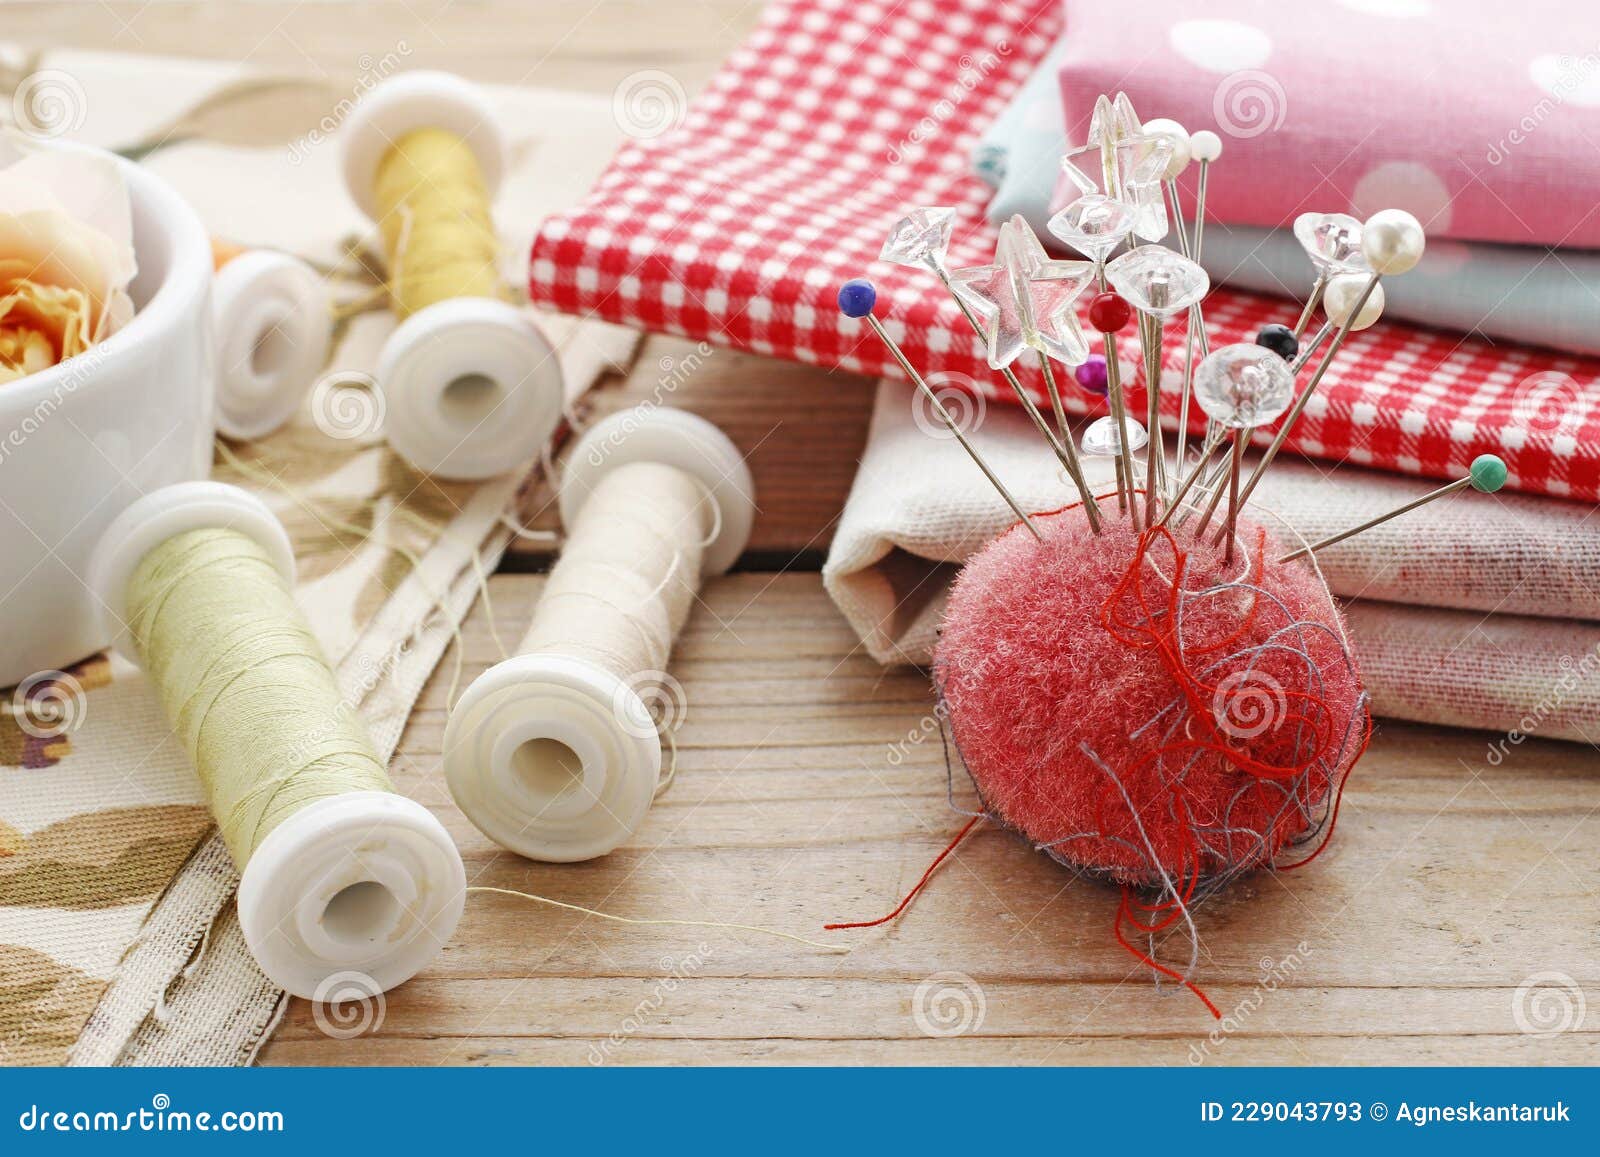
471 387
553 753
341 875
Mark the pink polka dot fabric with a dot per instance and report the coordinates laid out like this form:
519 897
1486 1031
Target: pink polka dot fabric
837 116
1480 117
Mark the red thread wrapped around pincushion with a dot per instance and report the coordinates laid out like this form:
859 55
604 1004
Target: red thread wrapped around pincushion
1159 733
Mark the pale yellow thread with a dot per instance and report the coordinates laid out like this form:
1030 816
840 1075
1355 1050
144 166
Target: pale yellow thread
243 680
673 923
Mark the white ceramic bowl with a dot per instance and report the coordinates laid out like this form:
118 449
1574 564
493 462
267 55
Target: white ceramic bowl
81 441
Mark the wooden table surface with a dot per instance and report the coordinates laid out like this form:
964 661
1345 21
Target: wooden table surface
1451 884
1454 916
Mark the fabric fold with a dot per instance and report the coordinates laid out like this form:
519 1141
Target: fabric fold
782 182
1480 611
1527 294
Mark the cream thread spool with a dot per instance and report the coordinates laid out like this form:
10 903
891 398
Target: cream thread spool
471 386
553 753
274 322
365 880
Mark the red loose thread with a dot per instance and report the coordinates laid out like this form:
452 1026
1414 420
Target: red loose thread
1020 603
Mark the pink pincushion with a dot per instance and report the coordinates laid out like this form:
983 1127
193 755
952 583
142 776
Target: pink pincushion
1141 731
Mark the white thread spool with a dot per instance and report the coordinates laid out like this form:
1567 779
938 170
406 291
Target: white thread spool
471 386
274 321
367 881
553 754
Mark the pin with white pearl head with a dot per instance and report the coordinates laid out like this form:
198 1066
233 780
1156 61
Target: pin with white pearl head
1342 294
471 386
1205 148
1177 161
553 753
273 319
1392 242
1486 475
857 299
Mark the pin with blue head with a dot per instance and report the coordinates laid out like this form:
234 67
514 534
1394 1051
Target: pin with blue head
857 297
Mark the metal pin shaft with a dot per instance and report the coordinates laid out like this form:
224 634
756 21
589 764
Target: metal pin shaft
1448 488
950 423
1305 395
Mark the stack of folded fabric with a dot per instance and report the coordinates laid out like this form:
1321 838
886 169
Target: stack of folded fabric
837 118
1486 620
1489 141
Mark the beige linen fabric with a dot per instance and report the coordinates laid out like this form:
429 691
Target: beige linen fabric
118 943
1477 611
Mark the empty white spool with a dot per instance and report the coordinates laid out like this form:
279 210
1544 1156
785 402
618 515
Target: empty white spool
366 882
471 387
553 754
274 321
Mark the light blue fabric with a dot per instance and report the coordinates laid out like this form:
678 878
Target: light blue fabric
1517 293
1019 155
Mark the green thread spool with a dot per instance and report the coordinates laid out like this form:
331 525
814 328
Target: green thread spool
341 876
553 753
471 387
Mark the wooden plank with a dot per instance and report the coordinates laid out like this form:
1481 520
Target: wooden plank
803 796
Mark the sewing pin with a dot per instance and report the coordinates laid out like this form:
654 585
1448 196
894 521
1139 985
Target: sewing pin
1486 474
1109 314
1397 246
1332 241
856 299
1240 387
1160 284
920 240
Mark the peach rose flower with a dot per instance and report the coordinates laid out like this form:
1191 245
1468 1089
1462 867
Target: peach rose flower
66 255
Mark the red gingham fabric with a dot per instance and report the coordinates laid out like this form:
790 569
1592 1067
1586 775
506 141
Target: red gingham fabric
835 117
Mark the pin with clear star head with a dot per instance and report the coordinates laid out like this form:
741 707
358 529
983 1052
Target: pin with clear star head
922 238
1024 300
